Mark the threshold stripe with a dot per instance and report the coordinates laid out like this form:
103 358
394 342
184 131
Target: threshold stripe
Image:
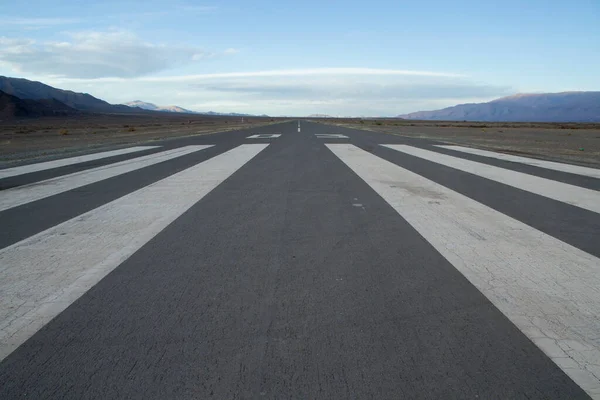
35 191
27 169
570 194
549 289
43 274
556 166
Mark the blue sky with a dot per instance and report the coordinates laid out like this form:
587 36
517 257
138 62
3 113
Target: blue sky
333 57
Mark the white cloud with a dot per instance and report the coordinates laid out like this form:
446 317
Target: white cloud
93 54
304 73
14 46
285 73
335 91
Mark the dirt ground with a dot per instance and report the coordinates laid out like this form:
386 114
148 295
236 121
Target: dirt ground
573 143
31 138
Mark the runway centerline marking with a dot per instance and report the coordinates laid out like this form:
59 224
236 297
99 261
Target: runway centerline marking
331 136
265 136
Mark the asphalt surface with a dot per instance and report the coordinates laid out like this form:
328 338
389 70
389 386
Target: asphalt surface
293 278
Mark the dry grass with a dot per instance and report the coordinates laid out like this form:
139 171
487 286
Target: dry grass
568 142
30 137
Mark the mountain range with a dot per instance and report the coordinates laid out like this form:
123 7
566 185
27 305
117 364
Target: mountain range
12 106
539 107
176 109
25 98
20 98
31 90
153 107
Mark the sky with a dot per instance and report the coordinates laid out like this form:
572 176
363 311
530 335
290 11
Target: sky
341 58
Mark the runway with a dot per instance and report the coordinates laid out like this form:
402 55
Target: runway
299 260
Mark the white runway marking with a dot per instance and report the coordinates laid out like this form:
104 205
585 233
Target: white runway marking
264 136
26 169
572 169
27 193
547 288
42 275
331 136
570 194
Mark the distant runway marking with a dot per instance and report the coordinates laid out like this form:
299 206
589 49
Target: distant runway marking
572 169
331 136
28 193
265 136
547 288
42 275
26 169
570 194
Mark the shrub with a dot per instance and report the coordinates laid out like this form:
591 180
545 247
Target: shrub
64 132
131 129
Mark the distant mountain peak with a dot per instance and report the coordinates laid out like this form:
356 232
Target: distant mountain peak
143 105
176 109
153 107
319 116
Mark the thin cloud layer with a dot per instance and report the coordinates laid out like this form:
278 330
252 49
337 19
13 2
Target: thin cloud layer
91 55
292 73
354 90
334 91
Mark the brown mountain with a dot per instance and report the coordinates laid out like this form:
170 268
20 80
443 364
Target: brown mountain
542 107
30 90
14 107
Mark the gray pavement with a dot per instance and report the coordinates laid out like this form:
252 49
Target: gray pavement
294 278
